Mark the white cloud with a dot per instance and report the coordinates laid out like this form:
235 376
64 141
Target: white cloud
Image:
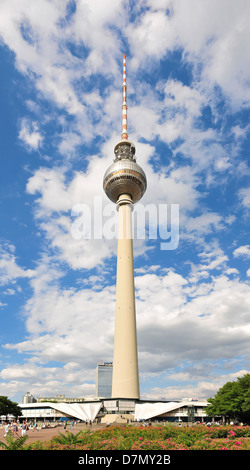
57 195
187 99
49 183
32 33
151 36
10 271
61 321
231 271
181 322
58 198
242 251
58 74
200 387
177 328
206 222
42 380
215 36
55 206
30 134
244 195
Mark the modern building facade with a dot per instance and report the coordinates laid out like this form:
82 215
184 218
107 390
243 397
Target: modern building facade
60 399
125 183
28 398
110 410
104 373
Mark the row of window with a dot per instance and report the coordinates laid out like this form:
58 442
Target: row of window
127 177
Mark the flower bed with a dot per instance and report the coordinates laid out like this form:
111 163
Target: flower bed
152 438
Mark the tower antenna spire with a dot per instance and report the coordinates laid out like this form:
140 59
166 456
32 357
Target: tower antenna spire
124 101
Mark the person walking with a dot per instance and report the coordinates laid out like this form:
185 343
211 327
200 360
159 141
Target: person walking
24 428
15 428
35 426
6 428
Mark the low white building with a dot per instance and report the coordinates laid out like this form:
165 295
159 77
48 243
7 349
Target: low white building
111 410
185 410
51 411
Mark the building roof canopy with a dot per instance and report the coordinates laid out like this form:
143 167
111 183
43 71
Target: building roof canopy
151 410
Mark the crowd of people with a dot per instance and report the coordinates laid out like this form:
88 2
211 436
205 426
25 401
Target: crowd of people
21 428
15 427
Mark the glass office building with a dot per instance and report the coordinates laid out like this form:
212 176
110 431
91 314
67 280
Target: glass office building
104 373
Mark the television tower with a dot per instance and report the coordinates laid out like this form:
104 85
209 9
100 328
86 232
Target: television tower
125 183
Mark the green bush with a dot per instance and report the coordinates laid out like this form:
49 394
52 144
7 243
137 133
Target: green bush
152 438
13 443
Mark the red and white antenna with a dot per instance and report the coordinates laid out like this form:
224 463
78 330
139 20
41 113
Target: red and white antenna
124 101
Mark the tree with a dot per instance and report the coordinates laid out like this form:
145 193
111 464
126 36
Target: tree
8 407
232 400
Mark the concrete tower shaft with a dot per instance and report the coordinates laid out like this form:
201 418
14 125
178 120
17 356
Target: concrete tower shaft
125 382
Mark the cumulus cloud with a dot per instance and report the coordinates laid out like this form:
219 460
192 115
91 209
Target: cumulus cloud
242 251
188 324
10 271
43 380
186 389
180 322
213 37
244 195
30 134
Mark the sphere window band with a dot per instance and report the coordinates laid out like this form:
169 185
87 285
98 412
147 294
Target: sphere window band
125 177
125 181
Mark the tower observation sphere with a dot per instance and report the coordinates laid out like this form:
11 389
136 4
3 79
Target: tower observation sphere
124 176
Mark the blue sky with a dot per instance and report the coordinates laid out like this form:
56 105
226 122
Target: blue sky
188 70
